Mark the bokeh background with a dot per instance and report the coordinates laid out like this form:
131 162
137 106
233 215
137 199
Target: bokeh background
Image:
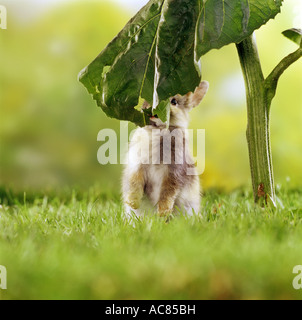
49 123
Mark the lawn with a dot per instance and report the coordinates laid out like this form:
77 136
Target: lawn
77 246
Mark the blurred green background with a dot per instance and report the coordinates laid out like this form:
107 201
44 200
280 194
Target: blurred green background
49 123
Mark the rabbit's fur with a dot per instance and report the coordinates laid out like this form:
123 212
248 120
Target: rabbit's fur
150 180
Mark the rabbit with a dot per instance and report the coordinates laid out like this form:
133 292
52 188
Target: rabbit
150 182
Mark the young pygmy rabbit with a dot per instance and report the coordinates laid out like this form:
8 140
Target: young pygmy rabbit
161 173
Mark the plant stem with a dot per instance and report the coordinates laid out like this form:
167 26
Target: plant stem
271 81
258 136
260 93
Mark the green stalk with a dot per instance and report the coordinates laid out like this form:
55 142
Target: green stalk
260 93
258 137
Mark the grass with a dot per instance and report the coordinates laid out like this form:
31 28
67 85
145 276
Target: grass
77 246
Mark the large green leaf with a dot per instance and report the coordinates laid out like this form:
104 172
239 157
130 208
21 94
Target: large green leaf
124 70
222 22
157 54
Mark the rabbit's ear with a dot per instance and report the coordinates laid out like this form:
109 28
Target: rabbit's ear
199 93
